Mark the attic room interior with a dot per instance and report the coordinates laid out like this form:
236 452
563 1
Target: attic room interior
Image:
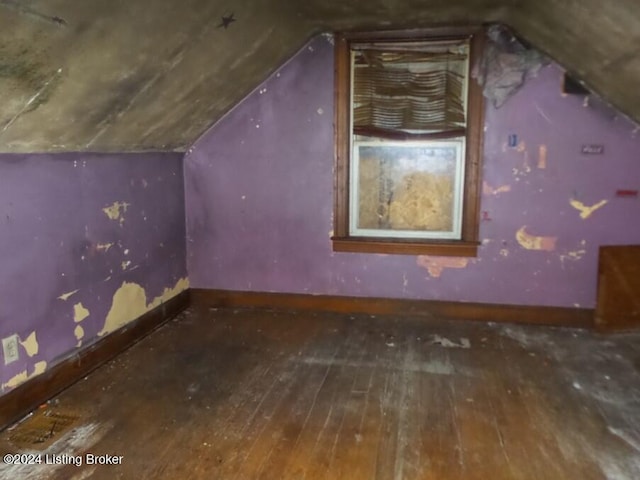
386 239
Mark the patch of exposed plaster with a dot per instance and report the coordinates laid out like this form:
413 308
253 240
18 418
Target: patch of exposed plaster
116 211
329 38
79 333
23 376
435 265
169 293
585 211
489 190
30 344
533 242
125 264
80 312
573 255
104 247
65 296
542 157
130 302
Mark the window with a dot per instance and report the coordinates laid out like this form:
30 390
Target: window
408 143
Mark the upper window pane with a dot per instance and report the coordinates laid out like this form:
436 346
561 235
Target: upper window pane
412 87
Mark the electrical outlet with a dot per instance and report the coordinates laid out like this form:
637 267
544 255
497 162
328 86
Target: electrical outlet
10 349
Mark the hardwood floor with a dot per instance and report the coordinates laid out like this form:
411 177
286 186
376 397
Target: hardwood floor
253 394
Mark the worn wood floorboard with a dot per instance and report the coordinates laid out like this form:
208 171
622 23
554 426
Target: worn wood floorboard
253 394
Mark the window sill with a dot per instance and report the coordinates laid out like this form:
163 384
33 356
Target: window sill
444 248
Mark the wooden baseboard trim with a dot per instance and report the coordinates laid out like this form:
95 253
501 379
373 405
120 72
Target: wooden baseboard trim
28 396
554 316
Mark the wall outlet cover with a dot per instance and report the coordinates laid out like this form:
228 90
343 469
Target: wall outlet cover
10 349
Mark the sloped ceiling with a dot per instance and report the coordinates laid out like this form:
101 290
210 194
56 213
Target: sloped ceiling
136 75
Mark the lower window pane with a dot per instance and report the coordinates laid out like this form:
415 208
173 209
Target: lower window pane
407 189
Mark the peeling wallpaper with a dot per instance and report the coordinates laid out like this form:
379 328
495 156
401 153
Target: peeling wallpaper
78 230
259 198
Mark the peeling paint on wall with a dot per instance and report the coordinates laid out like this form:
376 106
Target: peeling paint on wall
542 157
104 247
169 293
79 333
573 255
30 344
130 302
435 265
585 211
69 299
79 312
23 376
65 296
116 211
489 190
541 163
533 242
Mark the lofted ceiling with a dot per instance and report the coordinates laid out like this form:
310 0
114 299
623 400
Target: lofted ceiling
138 75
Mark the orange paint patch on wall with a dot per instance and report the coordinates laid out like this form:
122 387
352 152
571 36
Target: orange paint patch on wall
542 157
435 265
534 242
489 190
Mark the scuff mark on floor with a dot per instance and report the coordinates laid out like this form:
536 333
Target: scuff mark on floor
633 442
446 343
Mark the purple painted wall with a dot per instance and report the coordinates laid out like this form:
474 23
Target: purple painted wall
57 237
259 199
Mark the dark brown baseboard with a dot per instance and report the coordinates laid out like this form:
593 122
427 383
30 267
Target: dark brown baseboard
555 316
28 396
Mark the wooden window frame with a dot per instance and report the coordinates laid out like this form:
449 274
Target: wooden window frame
342 241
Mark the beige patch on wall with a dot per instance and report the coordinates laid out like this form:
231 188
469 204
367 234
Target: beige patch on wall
23 376
80 312
534 242
30 344
436 265
116 211
104 247
586 211
79 333
542 157
573 255
130 302
65 296
489 190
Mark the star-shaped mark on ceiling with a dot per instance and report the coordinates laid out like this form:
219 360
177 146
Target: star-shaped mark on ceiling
226 20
